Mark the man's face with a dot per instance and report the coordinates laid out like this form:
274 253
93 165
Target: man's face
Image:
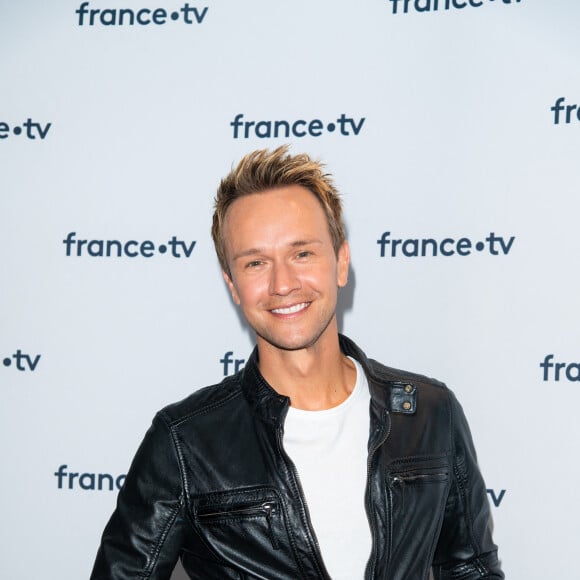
284 271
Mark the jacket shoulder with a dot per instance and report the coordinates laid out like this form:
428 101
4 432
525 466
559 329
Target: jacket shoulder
393 375
202 401
404 389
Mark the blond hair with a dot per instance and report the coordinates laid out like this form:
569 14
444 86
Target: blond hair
262 170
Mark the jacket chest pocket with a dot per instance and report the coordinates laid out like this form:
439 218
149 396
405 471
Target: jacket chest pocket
417 496
255 518
246 529
411 490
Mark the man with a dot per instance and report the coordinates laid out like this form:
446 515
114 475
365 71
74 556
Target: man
313 461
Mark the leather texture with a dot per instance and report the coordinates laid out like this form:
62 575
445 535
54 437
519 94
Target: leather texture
211 484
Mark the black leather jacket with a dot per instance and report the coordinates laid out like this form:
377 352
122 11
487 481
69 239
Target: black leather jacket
212 484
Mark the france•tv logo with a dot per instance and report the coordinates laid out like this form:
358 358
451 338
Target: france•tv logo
29 129
554 371
230 364
568 112
23 361
87 481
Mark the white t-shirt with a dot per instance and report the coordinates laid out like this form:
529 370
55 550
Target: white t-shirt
329 449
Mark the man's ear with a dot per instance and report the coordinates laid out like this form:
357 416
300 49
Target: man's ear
343 264
233 291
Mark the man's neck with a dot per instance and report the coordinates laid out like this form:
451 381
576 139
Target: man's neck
315 378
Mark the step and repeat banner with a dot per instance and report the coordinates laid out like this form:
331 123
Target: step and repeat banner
452 128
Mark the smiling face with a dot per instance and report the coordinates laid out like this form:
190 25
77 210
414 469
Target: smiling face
284 270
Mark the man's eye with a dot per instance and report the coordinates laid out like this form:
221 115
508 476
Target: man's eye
253 263
304 254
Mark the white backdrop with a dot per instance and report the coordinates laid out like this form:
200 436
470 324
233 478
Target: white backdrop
454 124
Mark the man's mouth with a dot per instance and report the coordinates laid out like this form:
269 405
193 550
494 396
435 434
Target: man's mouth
291 309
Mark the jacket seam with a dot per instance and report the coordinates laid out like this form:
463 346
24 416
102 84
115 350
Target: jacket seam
154 555
201 411
461 480
181 465
390 374
410 459
435 537
156 551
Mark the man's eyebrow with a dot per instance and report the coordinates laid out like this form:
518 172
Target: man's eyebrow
258 251
300 243
248 252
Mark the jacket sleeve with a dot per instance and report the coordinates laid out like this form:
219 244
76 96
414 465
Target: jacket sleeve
145 533
465 548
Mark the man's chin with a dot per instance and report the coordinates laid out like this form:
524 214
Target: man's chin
291 343
286 344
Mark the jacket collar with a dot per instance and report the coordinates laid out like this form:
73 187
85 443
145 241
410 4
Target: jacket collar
272 407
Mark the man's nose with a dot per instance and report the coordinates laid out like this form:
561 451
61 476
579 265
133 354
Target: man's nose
284 279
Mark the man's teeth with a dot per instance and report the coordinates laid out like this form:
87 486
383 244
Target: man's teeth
290 309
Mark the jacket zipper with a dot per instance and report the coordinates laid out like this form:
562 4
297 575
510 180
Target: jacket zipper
409 478
401 480
383 436
266 508
304 509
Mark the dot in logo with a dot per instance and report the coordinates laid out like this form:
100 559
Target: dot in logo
7 362
17 130
479 246
162 249
175 16
331 127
